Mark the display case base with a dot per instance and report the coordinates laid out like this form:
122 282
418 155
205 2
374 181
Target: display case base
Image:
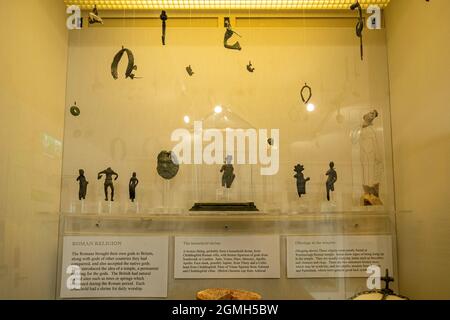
232 206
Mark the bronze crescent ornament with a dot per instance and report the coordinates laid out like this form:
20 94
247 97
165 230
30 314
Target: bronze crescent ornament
130 68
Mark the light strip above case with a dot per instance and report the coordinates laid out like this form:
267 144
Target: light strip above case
223 4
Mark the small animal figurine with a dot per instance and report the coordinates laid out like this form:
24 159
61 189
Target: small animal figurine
132 186
109 173
228 173
301 181
189 70
94 16
250 67
332 178
83 185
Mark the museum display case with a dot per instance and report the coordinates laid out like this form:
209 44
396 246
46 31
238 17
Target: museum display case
202 140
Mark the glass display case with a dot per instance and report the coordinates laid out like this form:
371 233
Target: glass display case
284 170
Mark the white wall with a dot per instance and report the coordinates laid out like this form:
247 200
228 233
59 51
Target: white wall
419 52
32 98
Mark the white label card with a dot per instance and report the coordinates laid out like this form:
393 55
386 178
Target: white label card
337 256
114 267
246 257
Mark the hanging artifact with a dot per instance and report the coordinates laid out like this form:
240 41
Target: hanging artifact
301 181
132 186
228 34
189 71
359 26
109 173
250 67
163 18
332 178
383 294
74 110
83 185
302 93
168 166
94 16
130 68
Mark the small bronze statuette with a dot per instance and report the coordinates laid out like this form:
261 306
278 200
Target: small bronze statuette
163 18
332 178
228 34
228 173
109 173
94 16
301 181
74 110
168 166
130 68
132 186
83 185
189 70
250 67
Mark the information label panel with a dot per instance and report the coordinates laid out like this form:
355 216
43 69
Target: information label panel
337 256
247 257
103 267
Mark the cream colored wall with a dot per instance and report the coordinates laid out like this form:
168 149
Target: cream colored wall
419 52
32 94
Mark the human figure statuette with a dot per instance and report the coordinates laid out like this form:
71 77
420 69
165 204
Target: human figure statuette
332 178
132 186
301 181
83 185
109 173
228 173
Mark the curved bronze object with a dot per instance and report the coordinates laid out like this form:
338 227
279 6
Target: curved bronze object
359 26
130 68
228 34
306 87
163 18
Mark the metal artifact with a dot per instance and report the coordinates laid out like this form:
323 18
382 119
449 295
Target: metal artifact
250 67
168 166
74 110
228 34
359 26
332 178
189 70
163 18
130 68
228 173
83 185
302 93
109 173
94 17
132 186
301 181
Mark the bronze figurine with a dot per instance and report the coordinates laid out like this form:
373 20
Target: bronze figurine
109 173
